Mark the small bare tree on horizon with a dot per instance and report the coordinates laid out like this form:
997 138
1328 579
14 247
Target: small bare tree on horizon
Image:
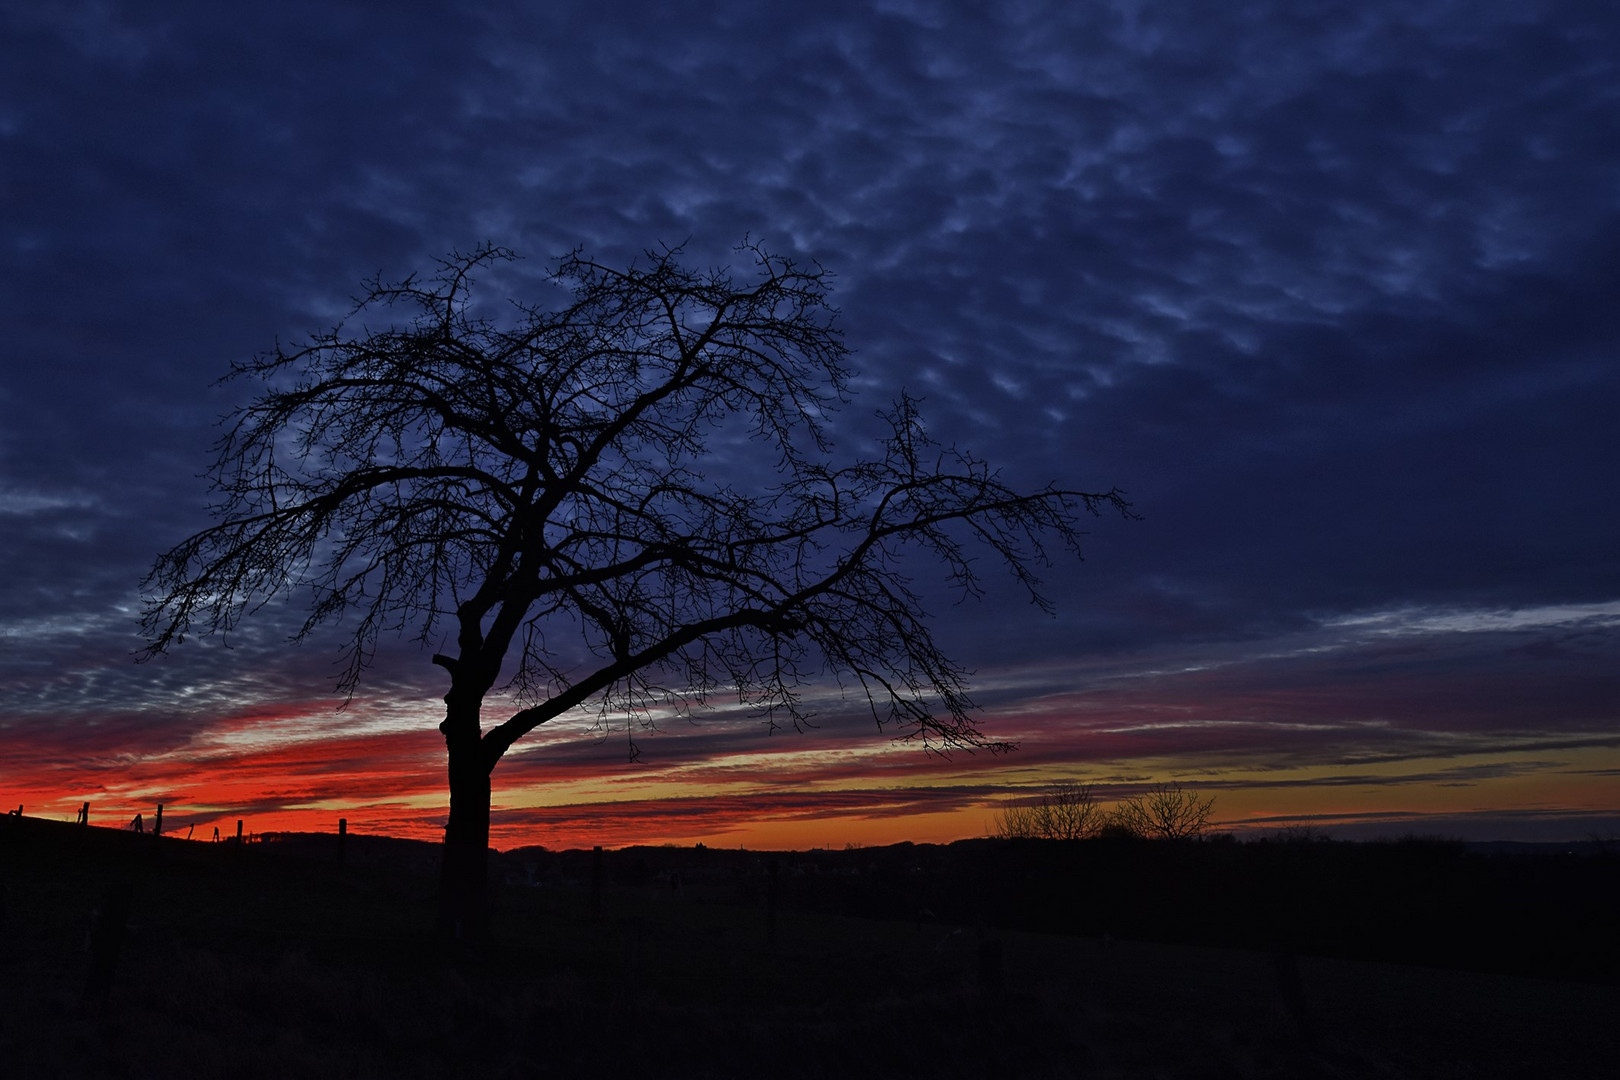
1070 811
1165 812
539 500
1065 811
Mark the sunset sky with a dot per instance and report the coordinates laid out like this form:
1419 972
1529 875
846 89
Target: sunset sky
1327 288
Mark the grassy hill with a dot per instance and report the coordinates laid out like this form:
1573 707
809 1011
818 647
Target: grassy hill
277 961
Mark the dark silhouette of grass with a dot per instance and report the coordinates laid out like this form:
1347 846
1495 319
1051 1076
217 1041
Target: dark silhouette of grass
264 962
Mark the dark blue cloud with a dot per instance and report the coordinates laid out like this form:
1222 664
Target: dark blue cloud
1326 286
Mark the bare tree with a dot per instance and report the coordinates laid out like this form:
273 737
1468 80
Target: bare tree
1066 811
543 494
1016 821
1071 812
1165 811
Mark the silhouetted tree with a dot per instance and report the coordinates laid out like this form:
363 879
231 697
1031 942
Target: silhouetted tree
628 498
1165 811
1066 811
1016 821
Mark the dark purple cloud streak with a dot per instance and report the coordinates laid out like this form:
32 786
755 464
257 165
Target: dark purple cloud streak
1326 286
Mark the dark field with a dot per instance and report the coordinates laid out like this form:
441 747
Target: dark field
277 961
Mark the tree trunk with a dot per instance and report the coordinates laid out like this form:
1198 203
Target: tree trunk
464 869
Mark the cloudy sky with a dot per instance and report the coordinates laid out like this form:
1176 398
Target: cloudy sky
1328 288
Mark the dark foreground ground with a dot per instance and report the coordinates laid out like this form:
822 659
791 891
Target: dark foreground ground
267 963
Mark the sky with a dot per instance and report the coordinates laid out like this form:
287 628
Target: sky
1327 288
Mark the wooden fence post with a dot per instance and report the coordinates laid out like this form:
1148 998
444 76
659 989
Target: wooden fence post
84 814
343 840
157 822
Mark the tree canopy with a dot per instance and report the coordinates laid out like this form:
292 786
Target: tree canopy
626 497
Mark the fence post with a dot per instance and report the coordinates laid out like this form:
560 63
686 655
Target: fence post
84 814
238 832
343 840
157 822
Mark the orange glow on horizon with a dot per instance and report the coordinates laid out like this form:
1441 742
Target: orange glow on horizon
830 788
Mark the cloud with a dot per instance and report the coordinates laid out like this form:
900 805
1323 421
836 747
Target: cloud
1325 287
